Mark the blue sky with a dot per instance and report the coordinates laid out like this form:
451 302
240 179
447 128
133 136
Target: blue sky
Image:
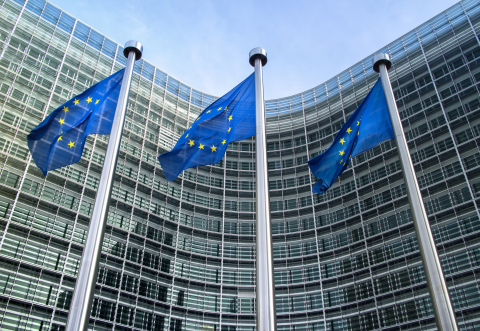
205 44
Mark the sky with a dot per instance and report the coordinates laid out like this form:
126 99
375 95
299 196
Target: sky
205 44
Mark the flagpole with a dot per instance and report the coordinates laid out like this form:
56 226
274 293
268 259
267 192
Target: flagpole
266 316
442 307
81 306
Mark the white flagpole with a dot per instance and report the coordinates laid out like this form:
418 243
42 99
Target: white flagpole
81 306
266 316
442 306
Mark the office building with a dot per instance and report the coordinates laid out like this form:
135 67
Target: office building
181 255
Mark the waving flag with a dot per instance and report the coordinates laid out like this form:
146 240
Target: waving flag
59 139
230 118
368 126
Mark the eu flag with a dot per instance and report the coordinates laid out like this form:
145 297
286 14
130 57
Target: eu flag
230 118
368 126
59 139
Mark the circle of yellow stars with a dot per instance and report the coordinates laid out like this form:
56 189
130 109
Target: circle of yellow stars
213 148
343 141
65 109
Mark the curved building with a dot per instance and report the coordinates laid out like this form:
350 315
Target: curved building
181 255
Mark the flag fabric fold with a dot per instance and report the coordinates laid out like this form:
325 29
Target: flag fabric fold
368 126
59 139
230 118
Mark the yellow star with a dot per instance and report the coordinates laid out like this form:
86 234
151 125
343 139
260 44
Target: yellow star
89 99
226 108
229 130
341 161
191 143
190 127
342 141
65 109
62 121
358 123
344 163
230 118
213 148
358 133
186 136
219 109
208 112
341 153
76 102
97 101
71 144
349 130
201 146
59 138
224 142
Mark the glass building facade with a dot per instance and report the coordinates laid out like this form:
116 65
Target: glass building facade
181 255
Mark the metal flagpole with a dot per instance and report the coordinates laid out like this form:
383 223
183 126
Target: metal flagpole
442 307
81 306
266 316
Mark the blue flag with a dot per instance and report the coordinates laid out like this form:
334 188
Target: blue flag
368 126
59 139
230 118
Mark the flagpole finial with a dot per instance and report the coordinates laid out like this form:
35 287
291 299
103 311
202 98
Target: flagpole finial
258 53
133 45
381 58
